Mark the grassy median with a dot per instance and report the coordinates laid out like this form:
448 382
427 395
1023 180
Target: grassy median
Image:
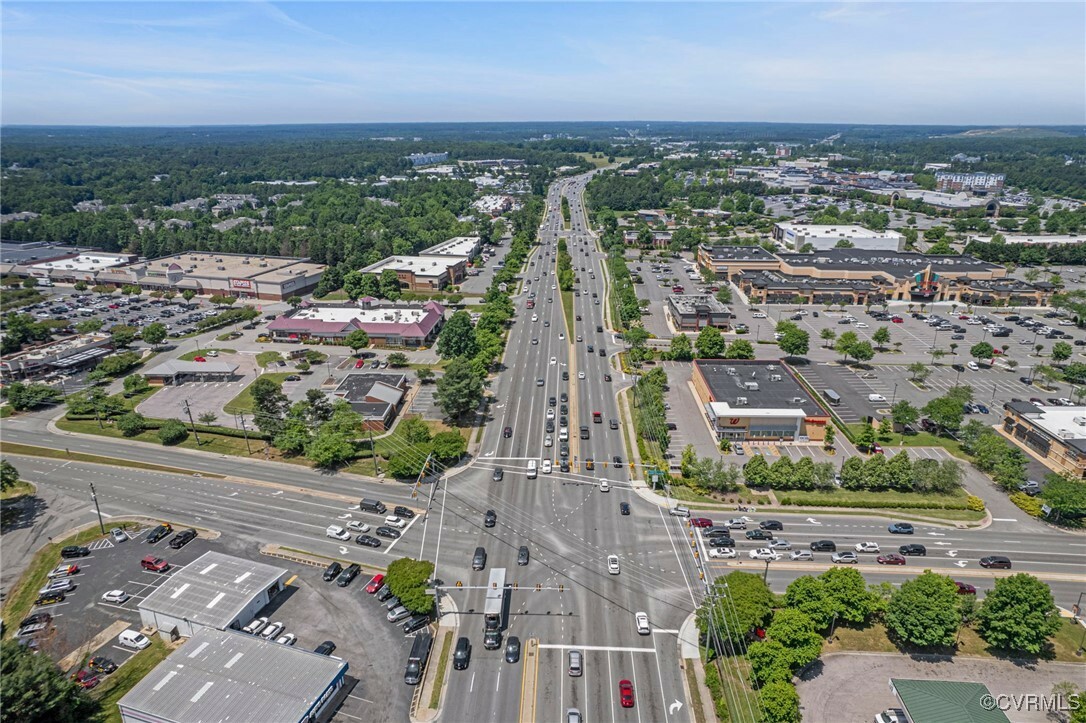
28 450
439 679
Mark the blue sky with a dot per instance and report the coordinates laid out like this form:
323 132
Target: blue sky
162 63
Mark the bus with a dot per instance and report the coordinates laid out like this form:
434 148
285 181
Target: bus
832 397
495 600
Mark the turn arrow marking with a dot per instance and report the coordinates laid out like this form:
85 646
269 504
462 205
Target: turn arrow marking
961 563
813 521
951 553
674 707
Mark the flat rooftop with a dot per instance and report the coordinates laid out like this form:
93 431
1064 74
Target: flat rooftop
738 253
690 303
212 590
85 262
223 675
344 314
1066 424
778 280
228 266
421 265
778 392
899 264
1038 239
837 231
456 246
13 252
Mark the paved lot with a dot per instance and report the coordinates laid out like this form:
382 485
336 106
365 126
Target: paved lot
424 403
657 290
202 397
845 381
829 690
479 284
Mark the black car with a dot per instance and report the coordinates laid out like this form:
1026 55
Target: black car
720 541
332 571
35 619
499 473
958 367
101 664
523 555
913 549
349 573
624 508
616 460
996 562
389 532
512 649
823 546
182 538
383 593
49 598
507 432
550 426
74 551
771 525
325 648
759 535
552 402
492 639
406 512
158 533
564 397
490 518
462 654
412 624
367 541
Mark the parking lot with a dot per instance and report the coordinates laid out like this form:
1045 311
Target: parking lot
656 290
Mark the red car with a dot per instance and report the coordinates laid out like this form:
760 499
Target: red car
997 352
891 559
154 564
897 320
199 359
625 693
373 585
86 678
360 363
965 588
876 448
701 522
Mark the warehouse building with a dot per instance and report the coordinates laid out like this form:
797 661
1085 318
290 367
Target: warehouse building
386 323
223 675
796 236
215 591
691 312
1055 435
457 246
757 401
272 278
424 272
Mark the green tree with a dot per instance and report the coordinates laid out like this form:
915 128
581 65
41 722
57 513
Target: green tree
1019 615
756 472
172 431
831 434
710 343
89 326
397 360
795 630
448 446
1061 351
899 472
918 372
121 336
738 603
269 404
849 595
925 611
862 351
681 349
424 375
294 301
415 431
329 448
188 294
769 661
795 342
881 337
460 389
739 349
845 343
132 424
457 338
22 396
946 412
356 340
1066 497
34 690
408 463
779 702
982 351
207 418
9 476
408 580
865 438
904 413
154 333
827 335
389 284
688 461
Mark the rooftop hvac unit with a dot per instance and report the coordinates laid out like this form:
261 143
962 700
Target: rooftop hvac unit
263 264
245 261
774 377
771 367
740 401
731 371
1066 434
797 400
1080 421
220 268
751 386
218 261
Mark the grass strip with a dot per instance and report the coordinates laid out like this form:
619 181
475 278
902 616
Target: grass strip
19 489
243 402
18 603
439 680
32 451
116 685
567 311
695 692
191 355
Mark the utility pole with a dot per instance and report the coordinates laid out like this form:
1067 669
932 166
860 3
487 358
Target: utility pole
244 431
94 499
188 411
373 453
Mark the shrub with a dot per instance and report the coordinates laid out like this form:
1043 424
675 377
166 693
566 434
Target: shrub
172 432
875 504
132 424
1030 505
976 504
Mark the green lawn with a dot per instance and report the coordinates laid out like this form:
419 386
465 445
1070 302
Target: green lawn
265 358
243 402
6 411
918 439
116 685
21 598
190 356
389 445
442 662
211 443
31 451
601 162
567 311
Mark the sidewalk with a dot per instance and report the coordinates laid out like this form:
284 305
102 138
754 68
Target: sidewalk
448 624
690 661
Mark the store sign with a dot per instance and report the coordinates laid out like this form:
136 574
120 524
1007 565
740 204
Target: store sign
241 284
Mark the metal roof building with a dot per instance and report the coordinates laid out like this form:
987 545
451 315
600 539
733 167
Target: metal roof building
945 701
225 675
214 591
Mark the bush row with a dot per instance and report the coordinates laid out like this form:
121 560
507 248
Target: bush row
875 504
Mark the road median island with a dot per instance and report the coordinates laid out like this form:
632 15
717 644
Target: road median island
530 677
28 450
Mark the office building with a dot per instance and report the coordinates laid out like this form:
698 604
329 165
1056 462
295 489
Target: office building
1054 435
423 272
798 236
691 312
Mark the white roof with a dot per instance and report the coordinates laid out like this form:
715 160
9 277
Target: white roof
83 262
456 246
422 265
1062 422
343 315
723 409
837 231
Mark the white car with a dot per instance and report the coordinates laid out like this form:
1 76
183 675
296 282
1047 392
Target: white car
580 375
115 596
535 317
764 553
1066 322
974 322
394 521
860 325
867 547
356 526
553 287
779 545
255 626
554 360
876 398
972 366
337 533
546 467
288 639
612 564
272 631
759 315
642 622
801 555
737 523
561 336
726 553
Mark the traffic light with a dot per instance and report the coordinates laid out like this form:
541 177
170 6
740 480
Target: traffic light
561 588
538 587
459 584
631 466
515 585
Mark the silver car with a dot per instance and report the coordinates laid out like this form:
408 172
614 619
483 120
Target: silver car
397 614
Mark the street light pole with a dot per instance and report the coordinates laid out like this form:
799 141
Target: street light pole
94 499
893 397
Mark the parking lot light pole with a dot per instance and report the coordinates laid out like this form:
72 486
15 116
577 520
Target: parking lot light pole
893 397
94 499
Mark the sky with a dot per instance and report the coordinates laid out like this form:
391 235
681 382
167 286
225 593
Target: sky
163 63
